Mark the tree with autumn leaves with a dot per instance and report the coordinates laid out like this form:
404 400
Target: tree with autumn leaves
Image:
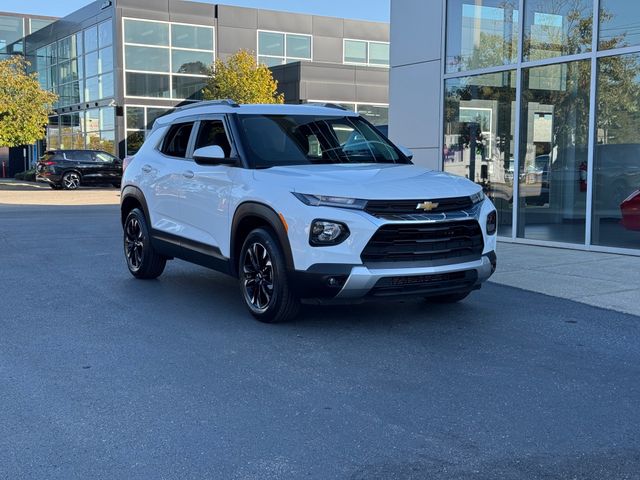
242 79
24 106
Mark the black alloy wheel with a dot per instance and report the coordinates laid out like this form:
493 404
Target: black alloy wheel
70 181
264 280
142 259
258 277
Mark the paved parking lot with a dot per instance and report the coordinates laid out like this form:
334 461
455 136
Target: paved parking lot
107 377
15 192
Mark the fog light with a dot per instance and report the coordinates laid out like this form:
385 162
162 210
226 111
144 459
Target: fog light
326 233
492 223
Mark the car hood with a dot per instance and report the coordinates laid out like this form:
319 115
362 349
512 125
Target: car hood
368 181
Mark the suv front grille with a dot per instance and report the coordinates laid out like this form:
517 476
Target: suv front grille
424 242
385 208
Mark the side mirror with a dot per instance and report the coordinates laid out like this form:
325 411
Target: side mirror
406 152
212 155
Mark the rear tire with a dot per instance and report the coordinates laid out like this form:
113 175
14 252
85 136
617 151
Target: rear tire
142 259
448 298
71 181
263 279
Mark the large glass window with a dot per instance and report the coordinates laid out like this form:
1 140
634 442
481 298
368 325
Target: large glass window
275 48
481 33
185 61
552 29
554 133
479 126
355 51
139 121
366 53
148 85
147 59
298 46
191 37
619 24
616 189
146 32
188 87
105 34
185 57
379 53
11 29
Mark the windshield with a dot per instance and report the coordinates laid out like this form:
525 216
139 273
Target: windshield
280 140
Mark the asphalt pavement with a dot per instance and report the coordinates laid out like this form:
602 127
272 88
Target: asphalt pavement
106 377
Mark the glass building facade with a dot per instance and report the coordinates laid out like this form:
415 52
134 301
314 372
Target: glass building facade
541 107
79 68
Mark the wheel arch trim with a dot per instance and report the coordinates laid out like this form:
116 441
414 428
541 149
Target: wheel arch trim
131 192
268 215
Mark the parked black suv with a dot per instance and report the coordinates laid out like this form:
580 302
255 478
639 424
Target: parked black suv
69 169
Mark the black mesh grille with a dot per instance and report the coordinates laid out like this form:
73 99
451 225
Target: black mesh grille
433 284
424 242
382 208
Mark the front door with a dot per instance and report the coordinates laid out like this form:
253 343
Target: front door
206 188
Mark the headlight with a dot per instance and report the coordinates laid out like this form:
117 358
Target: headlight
326 201
477 197
325 233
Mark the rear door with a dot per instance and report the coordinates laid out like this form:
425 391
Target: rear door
161 178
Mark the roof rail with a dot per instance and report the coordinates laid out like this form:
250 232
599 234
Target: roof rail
328 105
228 102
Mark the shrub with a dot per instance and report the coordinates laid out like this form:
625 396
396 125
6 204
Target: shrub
29 175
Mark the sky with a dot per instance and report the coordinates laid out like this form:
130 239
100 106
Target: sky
376 10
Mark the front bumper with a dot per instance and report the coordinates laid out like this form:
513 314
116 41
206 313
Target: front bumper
361 281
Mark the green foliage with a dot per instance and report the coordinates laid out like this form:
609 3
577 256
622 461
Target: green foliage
24 106
243 80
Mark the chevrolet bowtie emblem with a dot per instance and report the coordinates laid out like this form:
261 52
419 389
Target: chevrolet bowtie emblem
427 206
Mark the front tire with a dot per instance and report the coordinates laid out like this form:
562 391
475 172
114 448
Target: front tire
71 181
449 298
263 279
142 259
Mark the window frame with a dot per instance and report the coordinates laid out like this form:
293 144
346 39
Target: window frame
170 48
286 58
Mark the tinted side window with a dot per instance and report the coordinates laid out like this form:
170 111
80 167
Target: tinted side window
212 132
80 156
177 140
104 158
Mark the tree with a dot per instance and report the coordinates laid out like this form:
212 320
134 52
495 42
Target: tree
243 80
24 106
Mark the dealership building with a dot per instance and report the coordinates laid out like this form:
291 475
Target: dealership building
536 100
117 65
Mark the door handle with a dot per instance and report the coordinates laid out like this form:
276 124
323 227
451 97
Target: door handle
146 168
188 174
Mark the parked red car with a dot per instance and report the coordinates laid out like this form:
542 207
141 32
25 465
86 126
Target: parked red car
631 211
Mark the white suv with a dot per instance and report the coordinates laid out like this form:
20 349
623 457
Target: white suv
301 202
